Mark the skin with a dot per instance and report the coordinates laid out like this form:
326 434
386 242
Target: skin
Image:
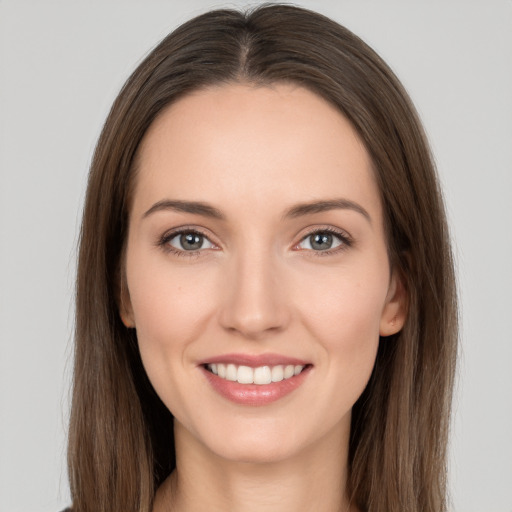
257 286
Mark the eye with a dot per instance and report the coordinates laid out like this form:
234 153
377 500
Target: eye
323 241
189 241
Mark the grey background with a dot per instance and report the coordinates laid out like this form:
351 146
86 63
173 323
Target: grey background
61 65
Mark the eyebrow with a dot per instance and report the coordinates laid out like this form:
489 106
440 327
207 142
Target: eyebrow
324 206
299 210
195 207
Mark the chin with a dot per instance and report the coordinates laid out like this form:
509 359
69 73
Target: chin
254 452
257 444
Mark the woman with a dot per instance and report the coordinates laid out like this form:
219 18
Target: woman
266 313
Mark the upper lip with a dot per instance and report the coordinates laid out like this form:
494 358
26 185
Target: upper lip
254 361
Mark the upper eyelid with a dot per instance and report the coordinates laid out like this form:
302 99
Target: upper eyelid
171 233
342 233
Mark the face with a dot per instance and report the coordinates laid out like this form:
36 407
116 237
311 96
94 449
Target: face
257 272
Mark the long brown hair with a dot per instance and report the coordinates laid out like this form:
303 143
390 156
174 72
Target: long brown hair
121 444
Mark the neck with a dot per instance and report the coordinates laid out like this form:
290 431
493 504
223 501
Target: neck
312 480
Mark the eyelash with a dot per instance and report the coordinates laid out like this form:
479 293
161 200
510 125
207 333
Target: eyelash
345 239
163 242
342 236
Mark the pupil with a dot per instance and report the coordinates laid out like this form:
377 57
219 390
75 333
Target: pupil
321 241
191 241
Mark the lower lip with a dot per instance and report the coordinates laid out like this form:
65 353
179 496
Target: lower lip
255 394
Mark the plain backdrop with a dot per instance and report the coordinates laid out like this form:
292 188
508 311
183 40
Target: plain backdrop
61 65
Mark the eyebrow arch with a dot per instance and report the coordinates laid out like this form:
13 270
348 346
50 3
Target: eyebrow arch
195 207
323 206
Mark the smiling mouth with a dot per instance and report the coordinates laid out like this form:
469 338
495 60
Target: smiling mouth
259 375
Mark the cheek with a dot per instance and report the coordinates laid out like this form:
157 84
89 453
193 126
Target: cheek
173 308
344 318
349 299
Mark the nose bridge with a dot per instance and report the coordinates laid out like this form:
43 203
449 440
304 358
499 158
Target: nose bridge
255 303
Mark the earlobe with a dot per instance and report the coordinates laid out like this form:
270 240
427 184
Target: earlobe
394 313
124 304
127 319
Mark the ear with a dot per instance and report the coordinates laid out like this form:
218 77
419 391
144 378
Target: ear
395 310
124 302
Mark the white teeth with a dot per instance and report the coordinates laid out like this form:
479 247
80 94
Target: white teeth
260 375
245 375
231 372
277 373
289 371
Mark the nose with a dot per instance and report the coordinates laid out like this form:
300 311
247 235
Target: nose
255 302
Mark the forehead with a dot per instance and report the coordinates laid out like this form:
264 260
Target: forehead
268 145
